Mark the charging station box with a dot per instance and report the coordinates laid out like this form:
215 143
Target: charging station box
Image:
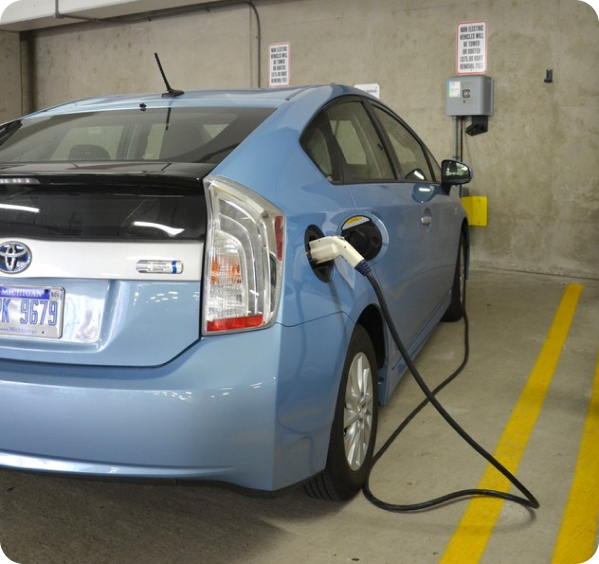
469 96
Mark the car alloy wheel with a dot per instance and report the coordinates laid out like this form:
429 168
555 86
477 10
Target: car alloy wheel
353 432
359 411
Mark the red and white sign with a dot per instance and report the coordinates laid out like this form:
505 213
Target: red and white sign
471 52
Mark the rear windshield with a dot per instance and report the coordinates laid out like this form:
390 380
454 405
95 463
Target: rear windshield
102 211
191 135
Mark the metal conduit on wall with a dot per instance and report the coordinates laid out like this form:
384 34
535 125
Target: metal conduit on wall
41 19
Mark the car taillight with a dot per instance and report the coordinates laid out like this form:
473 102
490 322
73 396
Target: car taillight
244 258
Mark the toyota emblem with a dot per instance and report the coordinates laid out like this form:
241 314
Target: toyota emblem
14 257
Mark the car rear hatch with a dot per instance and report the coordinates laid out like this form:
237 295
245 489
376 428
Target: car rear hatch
101 264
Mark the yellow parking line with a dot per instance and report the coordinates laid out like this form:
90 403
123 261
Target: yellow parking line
576 541
472 534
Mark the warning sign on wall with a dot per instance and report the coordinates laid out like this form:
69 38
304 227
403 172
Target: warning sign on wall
471 54
279 71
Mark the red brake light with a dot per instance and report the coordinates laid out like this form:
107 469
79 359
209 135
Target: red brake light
235 323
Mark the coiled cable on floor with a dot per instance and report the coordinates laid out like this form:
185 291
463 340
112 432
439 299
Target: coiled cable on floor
529 500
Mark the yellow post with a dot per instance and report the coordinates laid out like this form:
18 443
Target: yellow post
476 209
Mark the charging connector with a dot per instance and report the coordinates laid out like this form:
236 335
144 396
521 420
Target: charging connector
327 249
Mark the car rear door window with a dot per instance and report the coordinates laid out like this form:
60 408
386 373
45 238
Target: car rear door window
413 163
362 149
319 145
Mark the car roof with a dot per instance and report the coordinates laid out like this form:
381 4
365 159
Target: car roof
257 98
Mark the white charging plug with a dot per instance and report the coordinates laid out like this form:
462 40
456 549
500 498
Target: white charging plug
329 248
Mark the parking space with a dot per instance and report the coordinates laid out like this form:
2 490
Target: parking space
516 322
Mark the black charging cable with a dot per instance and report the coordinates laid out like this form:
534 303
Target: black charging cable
529 500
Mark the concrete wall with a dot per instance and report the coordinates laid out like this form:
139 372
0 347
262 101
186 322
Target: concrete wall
10 76
537 164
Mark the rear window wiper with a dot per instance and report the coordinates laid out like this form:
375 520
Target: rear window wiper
208 156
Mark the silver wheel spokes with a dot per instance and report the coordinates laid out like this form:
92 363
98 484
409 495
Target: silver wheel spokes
358 413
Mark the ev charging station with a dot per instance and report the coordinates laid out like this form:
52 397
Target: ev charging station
470 96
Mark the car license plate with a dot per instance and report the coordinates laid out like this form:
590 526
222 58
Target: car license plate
27 311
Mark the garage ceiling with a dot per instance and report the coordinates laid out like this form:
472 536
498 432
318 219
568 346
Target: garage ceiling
25 15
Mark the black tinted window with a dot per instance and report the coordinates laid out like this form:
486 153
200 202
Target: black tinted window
158 134
100 211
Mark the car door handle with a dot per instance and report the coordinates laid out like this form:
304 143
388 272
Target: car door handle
426 220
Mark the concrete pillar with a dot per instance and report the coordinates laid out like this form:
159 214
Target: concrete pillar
10 76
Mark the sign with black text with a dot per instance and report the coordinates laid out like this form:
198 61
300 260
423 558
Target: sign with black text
471 53
279 71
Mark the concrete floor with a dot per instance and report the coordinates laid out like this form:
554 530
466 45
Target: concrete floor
55 520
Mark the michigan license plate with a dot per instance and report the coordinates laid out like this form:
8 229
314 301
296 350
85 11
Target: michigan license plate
27 311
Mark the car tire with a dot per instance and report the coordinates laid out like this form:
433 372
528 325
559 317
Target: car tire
353 432
456 308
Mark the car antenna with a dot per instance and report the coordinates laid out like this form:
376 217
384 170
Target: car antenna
171 92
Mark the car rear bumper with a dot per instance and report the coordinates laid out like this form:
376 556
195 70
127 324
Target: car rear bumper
230 409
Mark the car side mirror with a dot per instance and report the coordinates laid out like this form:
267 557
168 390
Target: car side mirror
454 172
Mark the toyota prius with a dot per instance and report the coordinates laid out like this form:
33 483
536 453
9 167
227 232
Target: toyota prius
160 316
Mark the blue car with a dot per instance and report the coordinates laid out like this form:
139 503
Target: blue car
160 314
